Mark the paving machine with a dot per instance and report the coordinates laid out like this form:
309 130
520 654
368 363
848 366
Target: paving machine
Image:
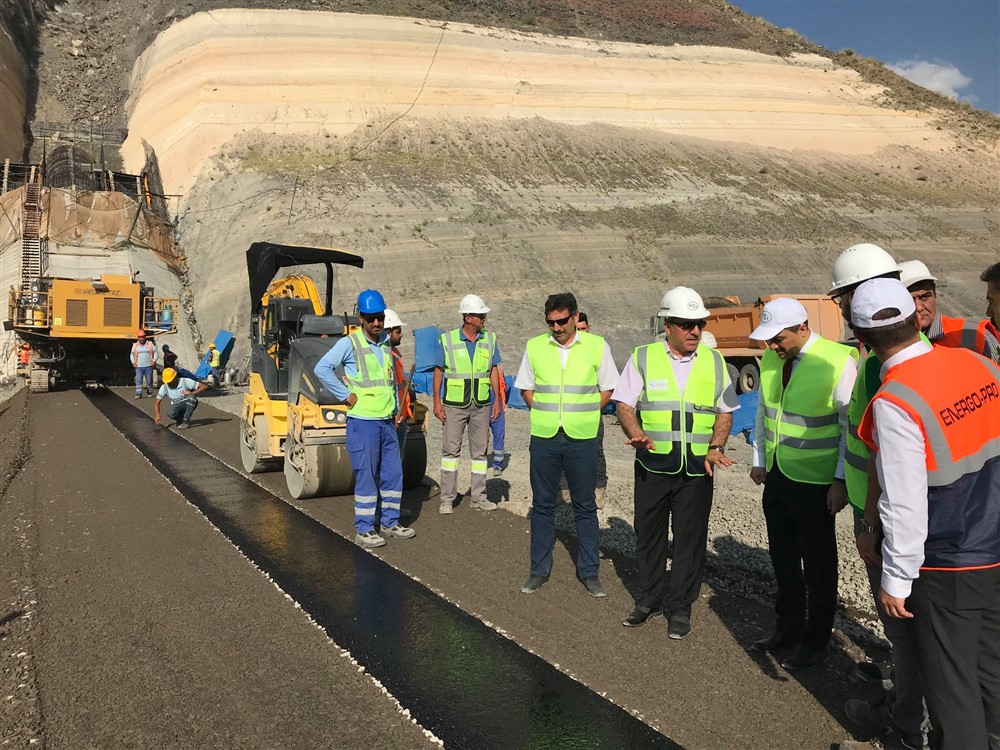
81 331
289 420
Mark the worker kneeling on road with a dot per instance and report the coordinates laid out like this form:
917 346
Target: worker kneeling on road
372 419
183 395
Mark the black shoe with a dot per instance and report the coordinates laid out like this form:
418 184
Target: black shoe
639 615
533 583
804 658
594 586
679 626
774 642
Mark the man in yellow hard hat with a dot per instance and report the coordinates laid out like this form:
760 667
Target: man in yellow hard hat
215 363
183 395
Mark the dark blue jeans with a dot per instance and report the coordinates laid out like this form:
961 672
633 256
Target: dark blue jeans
182 409
551 457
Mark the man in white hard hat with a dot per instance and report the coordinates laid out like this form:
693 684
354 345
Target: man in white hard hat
675 402
566 377
394 330
934 428
465 365
799 443
939 329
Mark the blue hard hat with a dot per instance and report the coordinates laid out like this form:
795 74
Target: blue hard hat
370 302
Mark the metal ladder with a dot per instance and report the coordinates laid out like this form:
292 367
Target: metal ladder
31 226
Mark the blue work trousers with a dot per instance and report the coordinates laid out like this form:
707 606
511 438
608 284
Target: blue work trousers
498 428
551 457
374 450
143 374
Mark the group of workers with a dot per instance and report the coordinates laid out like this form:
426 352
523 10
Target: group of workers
905 428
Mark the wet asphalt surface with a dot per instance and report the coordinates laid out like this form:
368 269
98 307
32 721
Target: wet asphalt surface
151 629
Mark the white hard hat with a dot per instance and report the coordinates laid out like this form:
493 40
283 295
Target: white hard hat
682 303
912 271
708 339
392 319
859 263
472 304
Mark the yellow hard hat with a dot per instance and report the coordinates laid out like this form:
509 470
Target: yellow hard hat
211 346
169 374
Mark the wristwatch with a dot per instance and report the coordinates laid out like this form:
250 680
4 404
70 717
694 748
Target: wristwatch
869 528
720 448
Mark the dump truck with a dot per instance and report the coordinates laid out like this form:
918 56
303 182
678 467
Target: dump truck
732 322
289 420
81 330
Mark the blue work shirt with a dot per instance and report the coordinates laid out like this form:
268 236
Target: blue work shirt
342 355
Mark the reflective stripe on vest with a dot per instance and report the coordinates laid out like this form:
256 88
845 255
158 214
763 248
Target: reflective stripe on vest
374 383
216 359
801 430
857 455
467 381
962 333
954 397
566 396
680 424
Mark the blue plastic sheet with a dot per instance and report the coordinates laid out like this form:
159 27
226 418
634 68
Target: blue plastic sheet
745 417
224 341
424 343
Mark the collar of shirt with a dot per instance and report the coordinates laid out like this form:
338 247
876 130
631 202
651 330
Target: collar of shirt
461 334
913 350
575 340
676 358
809 342
383 339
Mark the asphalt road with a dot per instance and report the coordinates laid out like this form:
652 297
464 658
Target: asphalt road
130 621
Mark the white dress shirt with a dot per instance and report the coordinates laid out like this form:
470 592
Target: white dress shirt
841 397
902 470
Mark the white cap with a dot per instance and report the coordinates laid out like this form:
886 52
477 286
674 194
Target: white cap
912 271
708 339
472 304
779 314
877 295
392 319
683 303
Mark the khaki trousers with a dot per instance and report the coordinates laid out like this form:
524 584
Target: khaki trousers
456 420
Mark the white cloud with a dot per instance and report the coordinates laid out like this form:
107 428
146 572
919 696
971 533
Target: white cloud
944 78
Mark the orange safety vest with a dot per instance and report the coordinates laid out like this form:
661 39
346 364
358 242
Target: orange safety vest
405 407
503 388
962 333
953 395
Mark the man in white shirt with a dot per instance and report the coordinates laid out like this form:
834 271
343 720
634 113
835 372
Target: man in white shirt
183 395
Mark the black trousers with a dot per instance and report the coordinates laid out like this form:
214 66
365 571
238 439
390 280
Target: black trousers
957 620
802 542
682 504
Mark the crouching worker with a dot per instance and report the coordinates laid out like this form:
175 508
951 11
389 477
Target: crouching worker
183 395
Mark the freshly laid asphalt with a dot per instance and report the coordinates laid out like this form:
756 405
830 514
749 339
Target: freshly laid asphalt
147 628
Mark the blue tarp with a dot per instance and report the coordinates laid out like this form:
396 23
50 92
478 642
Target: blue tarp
224 341
424 343
745 416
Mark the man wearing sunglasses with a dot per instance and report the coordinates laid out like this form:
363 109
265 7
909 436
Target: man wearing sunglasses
799 446
466 364
372 443
566 378
675 404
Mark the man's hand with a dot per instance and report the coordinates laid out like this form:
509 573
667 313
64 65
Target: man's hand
642 441
869 547
836 497
439 410
351 400
496 411
156 418
758 474
400 418
894 606
717 458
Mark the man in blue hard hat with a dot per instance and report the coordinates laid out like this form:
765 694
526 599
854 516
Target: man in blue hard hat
372 419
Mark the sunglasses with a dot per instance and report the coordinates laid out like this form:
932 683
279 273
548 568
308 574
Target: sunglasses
372 318
689 325
558 321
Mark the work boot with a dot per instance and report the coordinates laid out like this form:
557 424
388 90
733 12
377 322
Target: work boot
871 718
182 425
369 540
678 626
138 395
532 583
483 505
594 586
447 508
399 532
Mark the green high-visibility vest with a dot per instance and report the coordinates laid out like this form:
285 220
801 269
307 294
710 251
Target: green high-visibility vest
374 384
216 359
801 428
467 381
680 424
568 396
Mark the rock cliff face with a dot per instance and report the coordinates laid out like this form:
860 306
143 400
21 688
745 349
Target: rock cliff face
13 98
461 158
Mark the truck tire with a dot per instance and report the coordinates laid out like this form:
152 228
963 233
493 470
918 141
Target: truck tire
734 375
749 380
414 460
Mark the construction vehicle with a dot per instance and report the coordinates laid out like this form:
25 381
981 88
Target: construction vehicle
81 331
732 323
289 420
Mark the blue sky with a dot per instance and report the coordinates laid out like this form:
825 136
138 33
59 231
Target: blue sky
951 46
